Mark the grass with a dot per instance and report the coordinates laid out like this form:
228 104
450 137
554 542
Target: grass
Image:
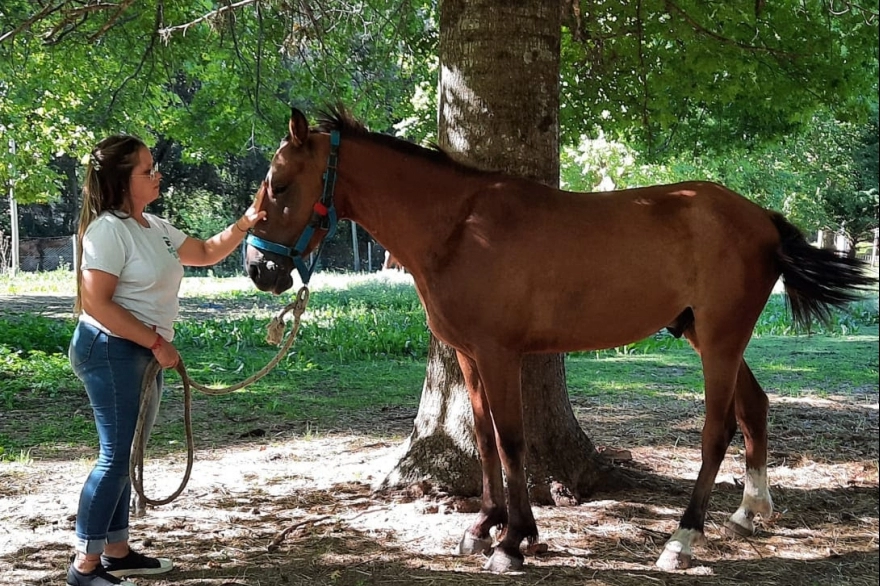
60 282
360 357
787 365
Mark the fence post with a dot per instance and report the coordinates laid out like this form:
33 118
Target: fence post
354 247
13 213
874 248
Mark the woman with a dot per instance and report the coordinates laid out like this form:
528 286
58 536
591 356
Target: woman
130 268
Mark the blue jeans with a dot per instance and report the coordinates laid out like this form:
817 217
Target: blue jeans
112 370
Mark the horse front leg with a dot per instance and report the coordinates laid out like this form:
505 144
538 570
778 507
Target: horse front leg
719 373
500 373
493 512
751 413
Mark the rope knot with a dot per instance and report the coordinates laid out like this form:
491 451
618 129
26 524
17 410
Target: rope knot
275 330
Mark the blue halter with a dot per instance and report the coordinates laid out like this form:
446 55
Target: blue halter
323 218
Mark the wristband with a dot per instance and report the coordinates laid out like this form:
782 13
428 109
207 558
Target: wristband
235 223
157 343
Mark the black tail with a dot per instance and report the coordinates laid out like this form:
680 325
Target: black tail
816 279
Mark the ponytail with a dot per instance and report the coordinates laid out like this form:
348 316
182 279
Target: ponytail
105 188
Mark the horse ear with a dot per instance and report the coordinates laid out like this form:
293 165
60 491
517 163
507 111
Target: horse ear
299 128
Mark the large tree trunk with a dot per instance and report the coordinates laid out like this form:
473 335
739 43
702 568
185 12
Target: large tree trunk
499 103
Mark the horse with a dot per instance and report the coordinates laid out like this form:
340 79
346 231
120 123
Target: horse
391 262
693 257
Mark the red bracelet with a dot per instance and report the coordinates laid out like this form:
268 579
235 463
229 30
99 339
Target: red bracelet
157 343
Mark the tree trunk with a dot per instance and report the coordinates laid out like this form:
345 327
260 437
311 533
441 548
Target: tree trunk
826 239
499 103
441 447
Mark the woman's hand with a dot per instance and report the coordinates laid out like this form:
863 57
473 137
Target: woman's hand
165 353
253 214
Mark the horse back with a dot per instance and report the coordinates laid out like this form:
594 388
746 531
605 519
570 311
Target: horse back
684 222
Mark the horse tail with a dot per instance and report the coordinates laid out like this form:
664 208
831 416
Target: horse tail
816 279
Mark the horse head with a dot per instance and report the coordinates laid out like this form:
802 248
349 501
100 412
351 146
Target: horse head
298 205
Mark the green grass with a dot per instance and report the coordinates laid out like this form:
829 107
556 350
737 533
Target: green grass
359 324
58 282
788 365
360 357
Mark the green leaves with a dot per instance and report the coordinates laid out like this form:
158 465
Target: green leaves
822 177
680 75
217 81
674 80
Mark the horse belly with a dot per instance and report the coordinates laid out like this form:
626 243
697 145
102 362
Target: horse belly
587 322
556 317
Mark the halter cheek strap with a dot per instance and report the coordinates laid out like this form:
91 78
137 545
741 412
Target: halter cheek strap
323 218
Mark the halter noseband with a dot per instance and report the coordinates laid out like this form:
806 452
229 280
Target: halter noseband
323 218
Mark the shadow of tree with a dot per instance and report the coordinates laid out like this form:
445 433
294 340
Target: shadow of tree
337 555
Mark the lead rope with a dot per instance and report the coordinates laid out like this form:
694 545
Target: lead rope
136 465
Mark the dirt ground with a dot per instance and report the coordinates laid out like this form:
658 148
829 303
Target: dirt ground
296 508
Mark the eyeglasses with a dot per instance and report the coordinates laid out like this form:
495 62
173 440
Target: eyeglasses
153 174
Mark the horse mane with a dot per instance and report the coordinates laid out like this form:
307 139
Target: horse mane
338 117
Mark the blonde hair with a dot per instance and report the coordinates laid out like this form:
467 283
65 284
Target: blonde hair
108 174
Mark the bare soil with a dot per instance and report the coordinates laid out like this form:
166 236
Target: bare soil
295 508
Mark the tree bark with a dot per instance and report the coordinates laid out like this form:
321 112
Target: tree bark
499 105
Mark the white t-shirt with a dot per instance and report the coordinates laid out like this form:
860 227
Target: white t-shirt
145 261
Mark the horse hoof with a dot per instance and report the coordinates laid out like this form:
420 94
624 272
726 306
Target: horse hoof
470 545
502 563
740 523
673 560
734 529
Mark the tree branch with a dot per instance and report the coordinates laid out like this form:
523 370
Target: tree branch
722 39
147 53
168 31
110 21
46 11
259 60
574 7
644 70
872 15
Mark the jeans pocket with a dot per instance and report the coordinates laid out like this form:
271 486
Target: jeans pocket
81 344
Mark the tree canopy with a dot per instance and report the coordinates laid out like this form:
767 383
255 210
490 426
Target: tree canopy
695 75
217 78
671 79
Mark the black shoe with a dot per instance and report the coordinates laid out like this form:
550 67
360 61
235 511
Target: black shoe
135 564
97 577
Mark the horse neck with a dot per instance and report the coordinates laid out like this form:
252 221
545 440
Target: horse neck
409 204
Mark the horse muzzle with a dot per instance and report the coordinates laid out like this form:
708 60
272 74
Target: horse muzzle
268 274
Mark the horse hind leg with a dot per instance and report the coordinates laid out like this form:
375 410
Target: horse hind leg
493 510
751 413
720 366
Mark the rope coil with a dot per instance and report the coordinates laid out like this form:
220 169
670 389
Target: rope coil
136 465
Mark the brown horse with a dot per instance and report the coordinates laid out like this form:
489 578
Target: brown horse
694 257
391 262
